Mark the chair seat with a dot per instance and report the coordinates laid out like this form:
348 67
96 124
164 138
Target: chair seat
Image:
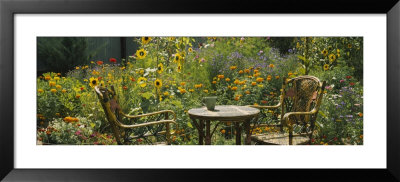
278 138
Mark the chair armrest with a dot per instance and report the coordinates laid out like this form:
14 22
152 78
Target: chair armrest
145 124
285 118
150 114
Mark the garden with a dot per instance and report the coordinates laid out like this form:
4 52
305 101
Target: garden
176 73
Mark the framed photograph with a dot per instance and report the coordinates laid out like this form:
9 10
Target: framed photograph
104 90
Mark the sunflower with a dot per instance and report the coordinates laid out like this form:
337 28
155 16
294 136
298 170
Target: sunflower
179 68
93 82
326 67
142 81
324 52
332 57
177 57
141 54
146 40
158 83
160 68
190 49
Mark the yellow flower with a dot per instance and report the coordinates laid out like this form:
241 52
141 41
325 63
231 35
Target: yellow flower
324 52
52 84
85 80
233 67
259 79
177 58
332 57
53 90
146 40
171 38
141 71
271 65
191 90
241 72
142 81
47 77
220 76
179 68
198 85
190 49
236 82
246 70
253 83
63 90
227 79
40 90
160 68
214 82
277 77
183 83
166 93
56 78
260 85
326 67
269 77
77 96
290 74
58 86
141 54
158 83
93 82
205 91
77 67
349 46
247 92
234 88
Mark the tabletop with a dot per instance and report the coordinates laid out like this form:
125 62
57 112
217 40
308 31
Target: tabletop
224 112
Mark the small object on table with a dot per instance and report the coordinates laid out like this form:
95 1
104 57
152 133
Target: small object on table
223 113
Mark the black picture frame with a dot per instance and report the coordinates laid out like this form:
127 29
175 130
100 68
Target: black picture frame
9 8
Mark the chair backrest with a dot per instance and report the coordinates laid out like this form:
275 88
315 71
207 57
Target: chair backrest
109 103
302 94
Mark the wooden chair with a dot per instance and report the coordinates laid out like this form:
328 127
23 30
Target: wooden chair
124 133
299 103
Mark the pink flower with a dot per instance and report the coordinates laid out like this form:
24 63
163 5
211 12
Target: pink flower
78 132
341 81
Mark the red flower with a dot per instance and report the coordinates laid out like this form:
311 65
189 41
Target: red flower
324 136
99 78
99 62
113 60
133 79
348 77
335 139
313 140
264 101
351 83
82 88
125 87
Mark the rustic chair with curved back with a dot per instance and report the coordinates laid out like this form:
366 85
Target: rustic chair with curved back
299 103
124 133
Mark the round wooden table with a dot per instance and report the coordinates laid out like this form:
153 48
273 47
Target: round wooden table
223 113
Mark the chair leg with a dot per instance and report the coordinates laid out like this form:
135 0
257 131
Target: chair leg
167 130
290 135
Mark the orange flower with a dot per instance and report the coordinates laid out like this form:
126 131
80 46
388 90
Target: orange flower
221 76
233 67
214 82
290 73
227 79
236 98
47 77
247 92
241 72
269 78
246 70
236 81
99 62
264 101
259 79
360 114
234 88
277 77
253 83
223 131
256 71
271 66
183 83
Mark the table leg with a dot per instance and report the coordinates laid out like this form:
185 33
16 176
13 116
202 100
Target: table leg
247 140
238 133
201 132
208 133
